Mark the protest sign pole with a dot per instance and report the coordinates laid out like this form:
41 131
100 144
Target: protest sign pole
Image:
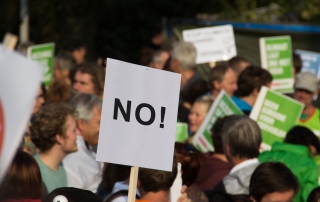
133 183
10 41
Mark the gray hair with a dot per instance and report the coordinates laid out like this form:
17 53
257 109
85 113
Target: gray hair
84 104
64 61
186 53
243 136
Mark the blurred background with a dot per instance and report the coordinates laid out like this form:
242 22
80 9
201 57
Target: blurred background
124 26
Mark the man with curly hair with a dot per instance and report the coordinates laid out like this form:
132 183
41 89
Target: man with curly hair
53 131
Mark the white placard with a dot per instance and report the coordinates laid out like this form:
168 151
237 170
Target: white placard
131 130
212 43
19 82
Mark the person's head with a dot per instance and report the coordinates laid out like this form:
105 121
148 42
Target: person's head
54 126
150 180
76 47
301 135
23 47
23 180
159 59
273 182
146 56
89 78
183 56
297 63
216 134
314 196
238 64
40 99
59 91
63 64
113 173
198 112
191 161
241 137
156 36
222 77
306 86
194 91
251 80
88 107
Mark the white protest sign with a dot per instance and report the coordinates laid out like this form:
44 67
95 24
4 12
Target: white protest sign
212 43
139 114
19 81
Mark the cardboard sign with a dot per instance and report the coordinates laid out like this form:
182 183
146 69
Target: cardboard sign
44 55
276 114
181 132
139 113
222 106
19 81
10 41
276 56
310 61
212 43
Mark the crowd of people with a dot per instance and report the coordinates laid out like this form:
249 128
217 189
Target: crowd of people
57 154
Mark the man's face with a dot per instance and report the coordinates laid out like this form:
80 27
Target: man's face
83 83
69 143
229 82
303 96
79 55
90 129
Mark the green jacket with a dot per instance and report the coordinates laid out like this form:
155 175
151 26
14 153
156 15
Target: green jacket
299 161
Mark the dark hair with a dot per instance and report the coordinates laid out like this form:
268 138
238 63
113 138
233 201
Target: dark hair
23 180
48 122
297 62
216 133
97 75
301 135
216 74
272 177
314 196
72 44
64 61
252 78
194 91
234 63
191 162
243 136
157 180
146 55
113 173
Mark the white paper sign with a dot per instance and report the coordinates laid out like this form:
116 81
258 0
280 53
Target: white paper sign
212 43
139 114
19 82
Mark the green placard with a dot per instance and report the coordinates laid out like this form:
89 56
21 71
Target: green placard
222 106
181 132
276 114
276 56
44 55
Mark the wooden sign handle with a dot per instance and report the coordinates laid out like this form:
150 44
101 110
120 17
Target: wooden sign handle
133 184
10 41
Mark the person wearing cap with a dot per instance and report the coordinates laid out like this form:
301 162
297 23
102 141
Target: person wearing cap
305 88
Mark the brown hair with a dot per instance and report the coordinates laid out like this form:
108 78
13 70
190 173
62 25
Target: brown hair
235 63
97 75
191 162
157 180
23 180
59 91
252 78
48 122
272 177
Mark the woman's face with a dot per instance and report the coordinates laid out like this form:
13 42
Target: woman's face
279 197
196 116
